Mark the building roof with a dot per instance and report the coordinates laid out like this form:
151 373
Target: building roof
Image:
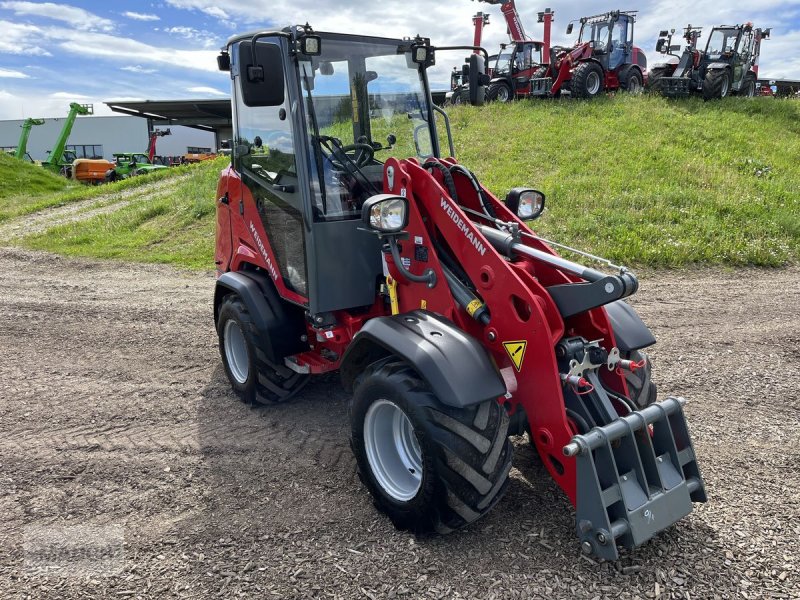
208 115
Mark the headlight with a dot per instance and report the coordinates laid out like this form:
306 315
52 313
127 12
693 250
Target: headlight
526 203
385 213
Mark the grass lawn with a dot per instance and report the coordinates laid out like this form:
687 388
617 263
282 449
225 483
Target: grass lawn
640 180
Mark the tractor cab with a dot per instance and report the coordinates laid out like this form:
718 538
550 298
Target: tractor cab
610 37
737 48
316 116
517 71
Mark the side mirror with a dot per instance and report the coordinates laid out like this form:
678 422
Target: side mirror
325 68
526 203
385 213
569 28
224 61
261 75
477 80
675 48
660 45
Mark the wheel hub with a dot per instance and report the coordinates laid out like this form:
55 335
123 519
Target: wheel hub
392 450
236 351
593 83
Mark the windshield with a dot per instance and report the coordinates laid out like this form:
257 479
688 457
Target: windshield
503 66
721 41
358 95
596 32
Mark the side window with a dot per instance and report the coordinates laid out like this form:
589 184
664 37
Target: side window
264 156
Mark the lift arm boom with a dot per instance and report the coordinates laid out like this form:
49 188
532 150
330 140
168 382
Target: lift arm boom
53 162
22 145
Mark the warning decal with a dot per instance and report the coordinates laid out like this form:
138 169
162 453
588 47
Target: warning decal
516 350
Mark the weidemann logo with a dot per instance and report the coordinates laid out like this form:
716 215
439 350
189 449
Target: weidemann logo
263 250
465 229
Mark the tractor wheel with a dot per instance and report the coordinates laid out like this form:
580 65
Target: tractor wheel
500 92
654 79
587 80
641 388
631 80
748 87
253 378
428 466
717 84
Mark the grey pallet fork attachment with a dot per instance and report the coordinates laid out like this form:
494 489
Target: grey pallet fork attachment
632 481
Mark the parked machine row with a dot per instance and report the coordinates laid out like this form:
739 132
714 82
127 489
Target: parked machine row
604 58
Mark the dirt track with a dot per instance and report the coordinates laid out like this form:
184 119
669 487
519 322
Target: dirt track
114 411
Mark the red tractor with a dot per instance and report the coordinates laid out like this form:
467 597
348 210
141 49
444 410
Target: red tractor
349 240
603 59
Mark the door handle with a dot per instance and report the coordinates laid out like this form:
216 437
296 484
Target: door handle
224 199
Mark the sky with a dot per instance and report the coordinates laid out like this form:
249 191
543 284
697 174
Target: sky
54 53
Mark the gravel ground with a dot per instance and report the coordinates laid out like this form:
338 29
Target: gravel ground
118 424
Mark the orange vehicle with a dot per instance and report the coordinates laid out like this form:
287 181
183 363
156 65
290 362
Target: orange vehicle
88 170
194 157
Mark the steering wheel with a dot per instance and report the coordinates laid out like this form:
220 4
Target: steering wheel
359 153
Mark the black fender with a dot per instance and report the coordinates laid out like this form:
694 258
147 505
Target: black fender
453 363
280 326
630 332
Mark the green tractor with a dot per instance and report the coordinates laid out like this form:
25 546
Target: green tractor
129 164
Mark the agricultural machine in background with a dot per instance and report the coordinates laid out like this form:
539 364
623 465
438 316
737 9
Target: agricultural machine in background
603 59
729 64
129 164
687 61
459 78
347 241
59 160
151 146
21 151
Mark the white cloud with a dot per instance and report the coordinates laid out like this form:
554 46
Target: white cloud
141 16
75 17
8 73
201 89
16 105
18 38
206 38
138 69
68 96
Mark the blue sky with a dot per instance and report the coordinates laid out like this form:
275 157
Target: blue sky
52 53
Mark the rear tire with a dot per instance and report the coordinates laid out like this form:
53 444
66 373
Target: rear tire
428 466
631 80
499 92
748 87
253 377
587 80
641 389
716 85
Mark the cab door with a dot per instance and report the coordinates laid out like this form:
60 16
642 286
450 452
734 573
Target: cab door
620 50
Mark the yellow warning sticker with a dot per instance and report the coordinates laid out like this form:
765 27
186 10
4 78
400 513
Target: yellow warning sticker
516 351
473 306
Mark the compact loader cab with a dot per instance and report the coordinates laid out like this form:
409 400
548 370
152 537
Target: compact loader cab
311 140
347 242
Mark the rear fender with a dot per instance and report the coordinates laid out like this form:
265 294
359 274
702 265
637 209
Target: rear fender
717 65
279 325
453 363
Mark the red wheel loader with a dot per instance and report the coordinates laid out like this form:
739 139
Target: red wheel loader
350 240
603 59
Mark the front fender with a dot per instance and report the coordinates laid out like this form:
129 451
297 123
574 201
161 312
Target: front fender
454 364
630 332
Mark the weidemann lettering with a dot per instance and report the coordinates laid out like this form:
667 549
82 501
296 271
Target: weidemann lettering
463 227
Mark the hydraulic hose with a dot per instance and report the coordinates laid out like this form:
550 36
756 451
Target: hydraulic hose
446 176
487 207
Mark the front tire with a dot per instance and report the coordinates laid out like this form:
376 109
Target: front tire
641 388
253 378
632 81
749 87
654 82
428 466
587 80
716 85
500 92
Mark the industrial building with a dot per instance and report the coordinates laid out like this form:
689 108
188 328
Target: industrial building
196 126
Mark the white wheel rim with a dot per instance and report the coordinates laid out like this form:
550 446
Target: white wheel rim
392 450
236 351
503 93
593 83
724 90
633 84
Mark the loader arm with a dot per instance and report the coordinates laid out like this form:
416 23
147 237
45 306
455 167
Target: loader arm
516 32
542 321
53 162
22 145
